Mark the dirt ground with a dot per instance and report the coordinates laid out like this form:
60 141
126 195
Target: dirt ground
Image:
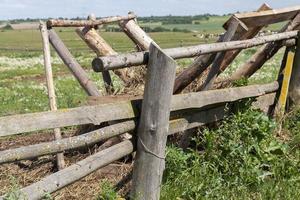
24 173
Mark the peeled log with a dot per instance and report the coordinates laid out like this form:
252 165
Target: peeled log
100 47
75 172
88 85
136 33
82 23
140 58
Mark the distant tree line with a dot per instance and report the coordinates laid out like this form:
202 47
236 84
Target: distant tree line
175 19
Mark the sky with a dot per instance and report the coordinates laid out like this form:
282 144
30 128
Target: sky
15 9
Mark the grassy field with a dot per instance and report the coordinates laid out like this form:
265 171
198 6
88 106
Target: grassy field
238 161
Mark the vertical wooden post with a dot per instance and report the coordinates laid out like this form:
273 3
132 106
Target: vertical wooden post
285 82
50 87
151 142
88 85
294 89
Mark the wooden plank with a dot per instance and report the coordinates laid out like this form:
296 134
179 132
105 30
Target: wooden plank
50 87
234 26
82 23
16 124
263 18
294 89
140 58
153 125
88 85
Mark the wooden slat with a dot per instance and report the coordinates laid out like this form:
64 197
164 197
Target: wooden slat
81 23
263 18
97 114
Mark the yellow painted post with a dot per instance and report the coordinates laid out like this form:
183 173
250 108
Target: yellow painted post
285 82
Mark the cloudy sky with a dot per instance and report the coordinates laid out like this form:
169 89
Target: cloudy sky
12 9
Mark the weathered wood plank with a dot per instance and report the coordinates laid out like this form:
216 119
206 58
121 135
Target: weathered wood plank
50 87
140 58
153 125
82 23
73 65
234 27
263 18
11 125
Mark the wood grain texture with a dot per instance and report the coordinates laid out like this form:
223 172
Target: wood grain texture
50 87
234 27
88 85
263 18
153 125
140 58
16 124
136 33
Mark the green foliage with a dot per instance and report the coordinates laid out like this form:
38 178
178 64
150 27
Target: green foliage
241 159
107 191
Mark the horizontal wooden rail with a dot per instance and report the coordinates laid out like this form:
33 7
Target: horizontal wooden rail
16 124
82 23
32 151
139 58
263 18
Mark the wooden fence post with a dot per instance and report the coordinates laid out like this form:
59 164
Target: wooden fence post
151 142
50 87
284 78
294 89
88 85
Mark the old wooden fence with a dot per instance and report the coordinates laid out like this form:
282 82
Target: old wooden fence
161 112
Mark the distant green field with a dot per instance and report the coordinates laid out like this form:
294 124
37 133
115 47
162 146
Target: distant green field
31 40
